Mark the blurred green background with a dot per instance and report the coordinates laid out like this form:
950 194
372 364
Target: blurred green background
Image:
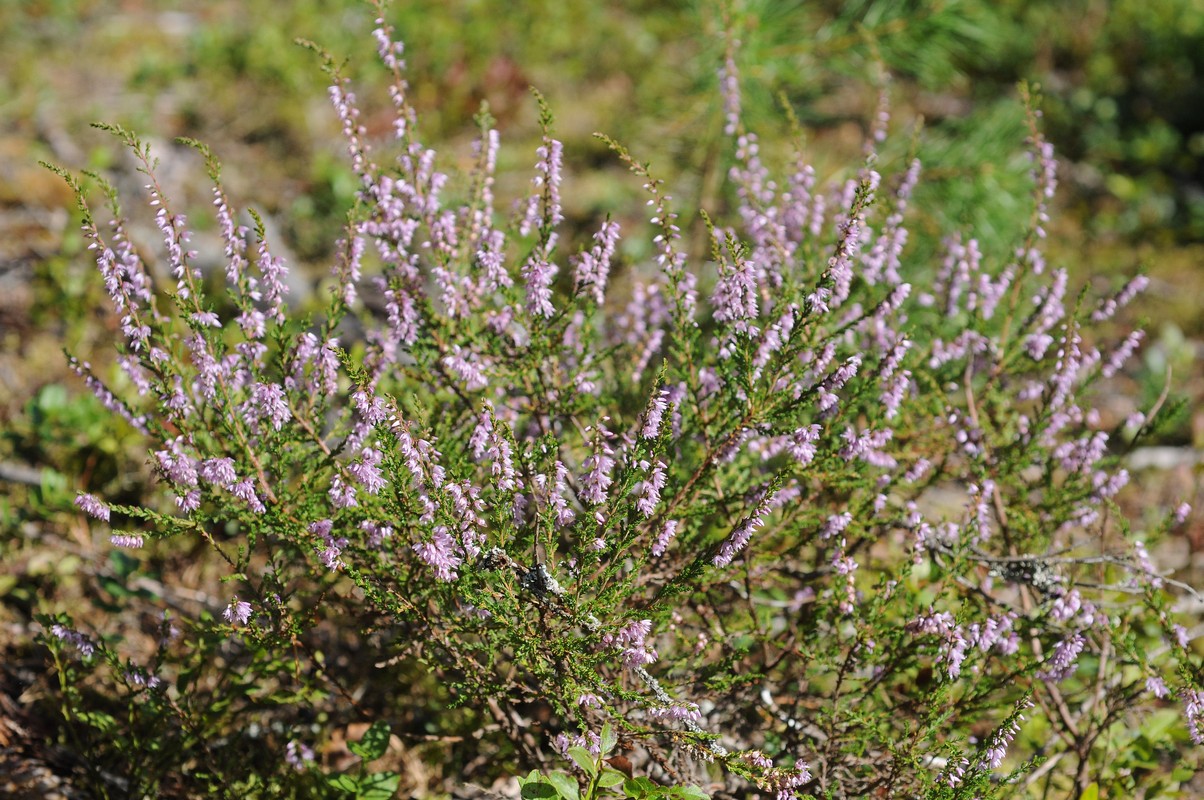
1122 87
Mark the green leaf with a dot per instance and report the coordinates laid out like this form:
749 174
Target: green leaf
609 740
345 782
638 787
690 793
379 786
1160 723
565 785
1091 792
375 742
99 720
114 586
584 760
538 790
610 778
123 564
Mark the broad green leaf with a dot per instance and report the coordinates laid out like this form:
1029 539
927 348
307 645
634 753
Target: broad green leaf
345 782
1182 773
637 787
584 760
113 586
379 786
565 785
1091 792
609 740
375 742
610 778
538 789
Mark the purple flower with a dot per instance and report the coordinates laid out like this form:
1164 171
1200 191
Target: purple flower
189 501
377 533
139 677
632 643
206 319
245 490
868 447
218 472
677 712
238 612
439 553
334 547
131 540
107 398
588 740
74 638
589 700
993 755
650 490
92 506
735 297
1061 663
487 441
370 407
803 444
177 466
597 466
655 411
1111 305
593 267
538 274
467 366
341 494
330 554
836 525
775 336
269 401
758 759
273 270
209 370
543 208
845 566
559 491
917 470
252 322
893 393
742 533
298 755
345 107
729 87
367 472
1121 354
1193 709
1050 310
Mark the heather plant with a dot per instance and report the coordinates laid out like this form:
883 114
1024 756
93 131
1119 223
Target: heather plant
791 511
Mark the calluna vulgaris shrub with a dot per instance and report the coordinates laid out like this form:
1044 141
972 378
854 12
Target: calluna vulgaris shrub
707 509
